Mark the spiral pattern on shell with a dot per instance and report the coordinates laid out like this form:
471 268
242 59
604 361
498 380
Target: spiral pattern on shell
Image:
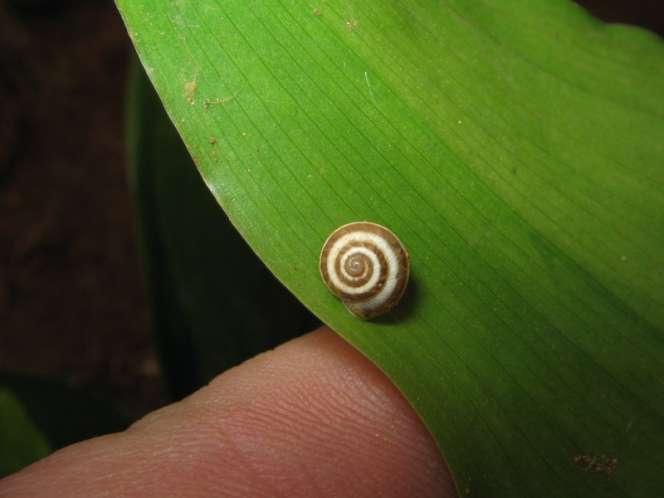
366 266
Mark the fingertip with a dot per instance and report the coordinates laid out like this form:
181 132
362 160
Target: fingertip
311 418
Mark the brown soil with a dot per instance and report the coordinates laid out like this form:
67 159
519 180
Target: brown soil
72 302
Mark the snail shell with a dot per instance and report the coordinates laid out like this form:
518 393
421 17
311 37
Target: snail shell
366 266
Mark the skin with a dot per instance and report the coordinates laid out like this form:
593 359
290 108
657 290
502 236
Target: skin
312 418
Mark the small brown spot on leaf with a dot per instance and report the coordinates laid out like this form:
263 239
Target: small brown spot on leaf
598 464
190 91
218 101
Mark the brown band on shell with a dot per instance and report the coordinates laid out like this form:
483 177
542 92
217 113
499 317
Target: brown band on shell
381 278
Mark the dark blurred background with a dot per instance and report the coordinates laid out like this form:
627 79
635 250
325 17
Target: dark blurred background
73 304
72 300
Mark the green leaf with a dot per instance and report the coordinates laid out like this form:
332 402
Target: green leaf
203 325
21 441
38 416
63 414
516 147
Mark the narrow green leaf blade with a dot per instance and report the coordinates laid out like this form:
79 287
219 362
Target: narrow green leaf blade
205 283
63 414
516 148
38 416
21 441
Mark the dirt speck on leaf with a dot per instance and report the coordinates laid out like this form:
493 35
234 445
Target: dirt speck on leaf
598 464
218 101
190 91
